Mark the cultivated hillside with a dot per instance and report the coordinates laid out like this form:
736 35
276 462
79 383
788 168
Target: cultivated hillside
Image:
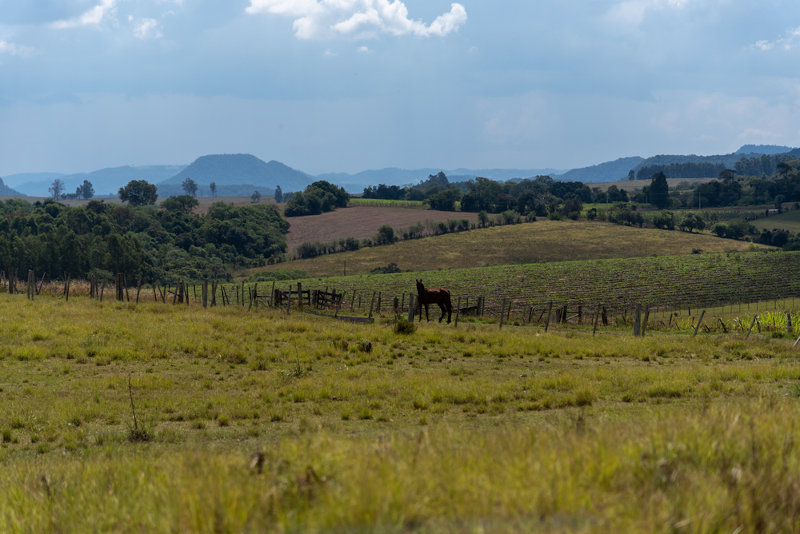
541 241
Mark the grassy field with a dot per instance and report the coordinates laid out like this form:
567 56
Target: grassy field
663 281
788 220
541 241
361 428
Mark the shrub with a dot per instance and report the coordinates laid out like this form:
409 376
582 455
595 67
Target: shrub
404 326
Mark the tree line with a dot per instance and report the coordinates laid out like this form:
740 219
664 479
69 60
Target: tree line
140 241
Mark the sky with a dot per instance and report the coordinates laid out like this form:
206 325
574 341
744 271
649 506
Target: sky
350 85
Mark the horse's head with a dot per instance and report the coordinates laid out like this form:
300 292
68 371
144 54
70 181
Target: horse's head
420 287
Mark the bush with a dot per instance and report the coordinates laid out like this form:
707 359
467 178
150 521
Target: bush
404 326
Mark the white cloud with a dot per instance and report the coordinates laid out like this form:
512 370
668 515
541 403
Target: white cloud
13 49
147 29
93 17
359 18
787 42
631 13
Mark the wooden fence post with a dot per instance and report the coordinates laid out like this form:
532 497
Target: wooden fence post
458 310
700 320
637 321
205 293
411 309
549 311
596 319
371 304
755 317
31 286
66 286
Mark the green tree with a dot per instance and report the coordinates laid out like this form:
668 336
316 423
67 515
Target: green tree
213 187
445 200
56 189
278 194
139 193
190 187
255 198
658 192
85 190
180 204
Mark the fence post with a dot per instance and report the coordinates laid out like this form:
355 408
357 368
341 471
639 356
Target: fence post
300 295
596 318
502 313
458 310
700 320
644 320
752 324
371 304
411 309
31 287
637 321
549 311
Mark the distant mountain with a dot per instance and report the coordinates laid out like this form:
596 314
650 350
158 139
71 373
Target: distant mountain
105 181
769 150
241 169
7 191
611 171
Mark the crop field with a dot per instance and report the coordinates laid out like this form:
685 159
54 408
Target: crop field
691 281
541 241
151 417
362 221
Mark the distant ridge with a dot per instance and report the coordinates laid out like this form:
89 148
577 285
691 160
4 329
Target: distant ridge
241 169
105 181
611 171
7 191
769 150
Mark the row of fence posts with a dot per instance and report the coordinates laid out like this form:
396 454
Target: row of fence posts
321 298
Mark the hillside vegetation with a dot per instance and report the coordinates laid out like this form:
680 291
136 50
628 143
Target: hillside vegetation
541 241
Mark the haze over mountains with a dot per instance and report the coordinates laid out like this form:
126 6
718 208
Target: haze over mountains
242 174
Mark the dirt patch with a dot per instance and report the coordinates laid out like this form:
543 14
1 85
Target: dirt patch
362 222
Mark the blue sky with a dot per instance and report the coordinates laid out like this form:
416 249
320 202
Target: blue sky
347 85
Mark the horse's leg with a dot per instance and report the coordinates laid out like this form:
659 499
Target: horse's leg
444 310
449 310
426 313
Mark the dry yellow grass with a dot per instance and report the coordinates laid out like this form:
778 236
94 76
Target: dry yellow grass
542 241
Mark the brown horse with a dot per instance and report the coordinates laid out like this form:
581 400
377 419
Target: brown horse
438 296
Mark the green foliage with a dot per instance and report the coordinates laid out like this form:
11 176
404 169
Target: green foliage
658 192
319 197
404 327
139 193
183 204
692 221
389 269
189 187
664 220
139 242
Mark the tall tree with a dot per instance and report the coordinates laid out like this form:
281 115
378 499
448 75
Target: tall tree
213 187
278 194
190 187
85 190
56 189
658 192
139 193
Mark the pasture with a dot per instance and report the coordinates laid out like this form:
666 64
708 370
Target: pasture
146 417
788 220
541 241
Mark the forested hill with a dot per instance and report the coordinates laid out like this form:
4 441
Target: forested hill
7 191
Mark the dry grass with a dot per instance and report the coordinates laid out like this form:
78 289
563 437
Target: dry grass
542 241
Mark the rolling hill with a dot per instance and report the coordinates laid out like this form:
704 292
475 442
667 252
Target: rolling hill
541 241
